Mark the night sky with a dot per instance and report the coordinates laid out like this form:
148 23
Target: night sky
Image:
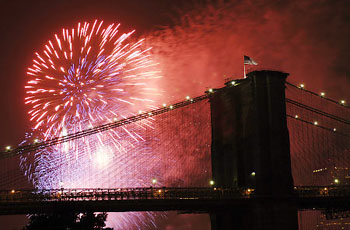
197 43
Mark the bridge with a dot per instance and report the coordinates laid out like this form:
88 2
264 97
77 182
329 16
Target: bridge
268 147
161 199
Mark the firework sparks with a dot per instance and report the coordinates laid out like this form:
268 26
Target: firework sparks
84 77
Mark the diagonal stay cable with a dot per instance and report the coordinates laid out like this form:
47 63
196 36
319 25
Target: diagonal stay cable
319 126
315 94
98 129
320 112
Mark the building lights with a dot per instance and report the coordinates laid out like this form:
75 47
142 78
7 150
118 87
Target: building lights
211 182
334 129
140 111
315 123
115 119
296 116
154 181
253 174
336 181
322 94
188 98
302 86
342 102
211 90
164 105
233 82
150 114
36 140
8 148
13 191
171 107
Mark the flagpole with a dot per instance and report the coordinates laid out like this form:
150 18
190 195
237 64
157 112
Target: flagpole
244 70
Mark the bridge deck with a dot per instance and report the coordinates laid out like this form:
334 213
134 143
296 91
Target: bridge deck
162 199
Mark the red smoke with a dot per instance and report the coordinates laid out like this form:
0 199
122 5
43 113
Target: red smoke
308 39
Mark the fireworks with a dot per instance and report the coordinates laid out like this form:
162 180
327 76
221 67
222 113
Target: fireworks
84 77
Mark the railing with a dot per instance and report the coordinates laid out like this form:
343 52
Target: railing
322 191
121 194
159 193
164 199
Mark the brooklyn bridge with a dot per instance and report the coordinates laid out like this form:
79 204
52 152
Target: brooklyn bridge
258 148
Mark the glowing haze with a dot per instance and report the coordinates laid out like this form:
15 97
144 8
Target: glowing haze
207 43
87 75
83 77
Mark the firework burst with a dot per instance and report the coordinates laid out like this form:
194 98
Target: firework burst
88 75
84 77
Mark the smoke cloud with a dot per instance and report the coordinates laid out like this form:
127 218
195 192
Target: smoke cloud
206 44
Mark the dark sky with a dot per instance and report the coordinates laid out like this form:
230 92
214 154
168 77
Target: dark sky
25 26
310 39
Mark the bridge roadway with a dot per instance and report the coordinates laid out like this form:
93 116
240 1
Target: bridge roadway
163 199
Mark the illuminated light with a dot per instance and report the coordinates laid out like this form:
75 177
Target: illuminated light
296 116
336 181
103 156
36 141
117 57
150 114
171 107
334 129
249 190
61 184
214 188
211 182
253 173
154 181
13 191
8 147
302 86
210 90
140 111
115 119
342 102
191 100
322 94
315 123
159 190
233 82
187 97
164 105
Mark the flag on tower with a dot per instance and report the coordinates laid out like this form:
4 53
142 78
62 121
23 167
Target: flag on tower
249 61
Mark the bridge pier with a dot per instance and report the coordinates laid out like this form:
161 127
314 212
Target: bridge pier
250 149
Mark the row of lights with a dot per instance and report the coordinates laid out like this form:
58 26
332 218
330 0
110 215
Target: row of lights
323 94
9 148
315 122
211 182
36 141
